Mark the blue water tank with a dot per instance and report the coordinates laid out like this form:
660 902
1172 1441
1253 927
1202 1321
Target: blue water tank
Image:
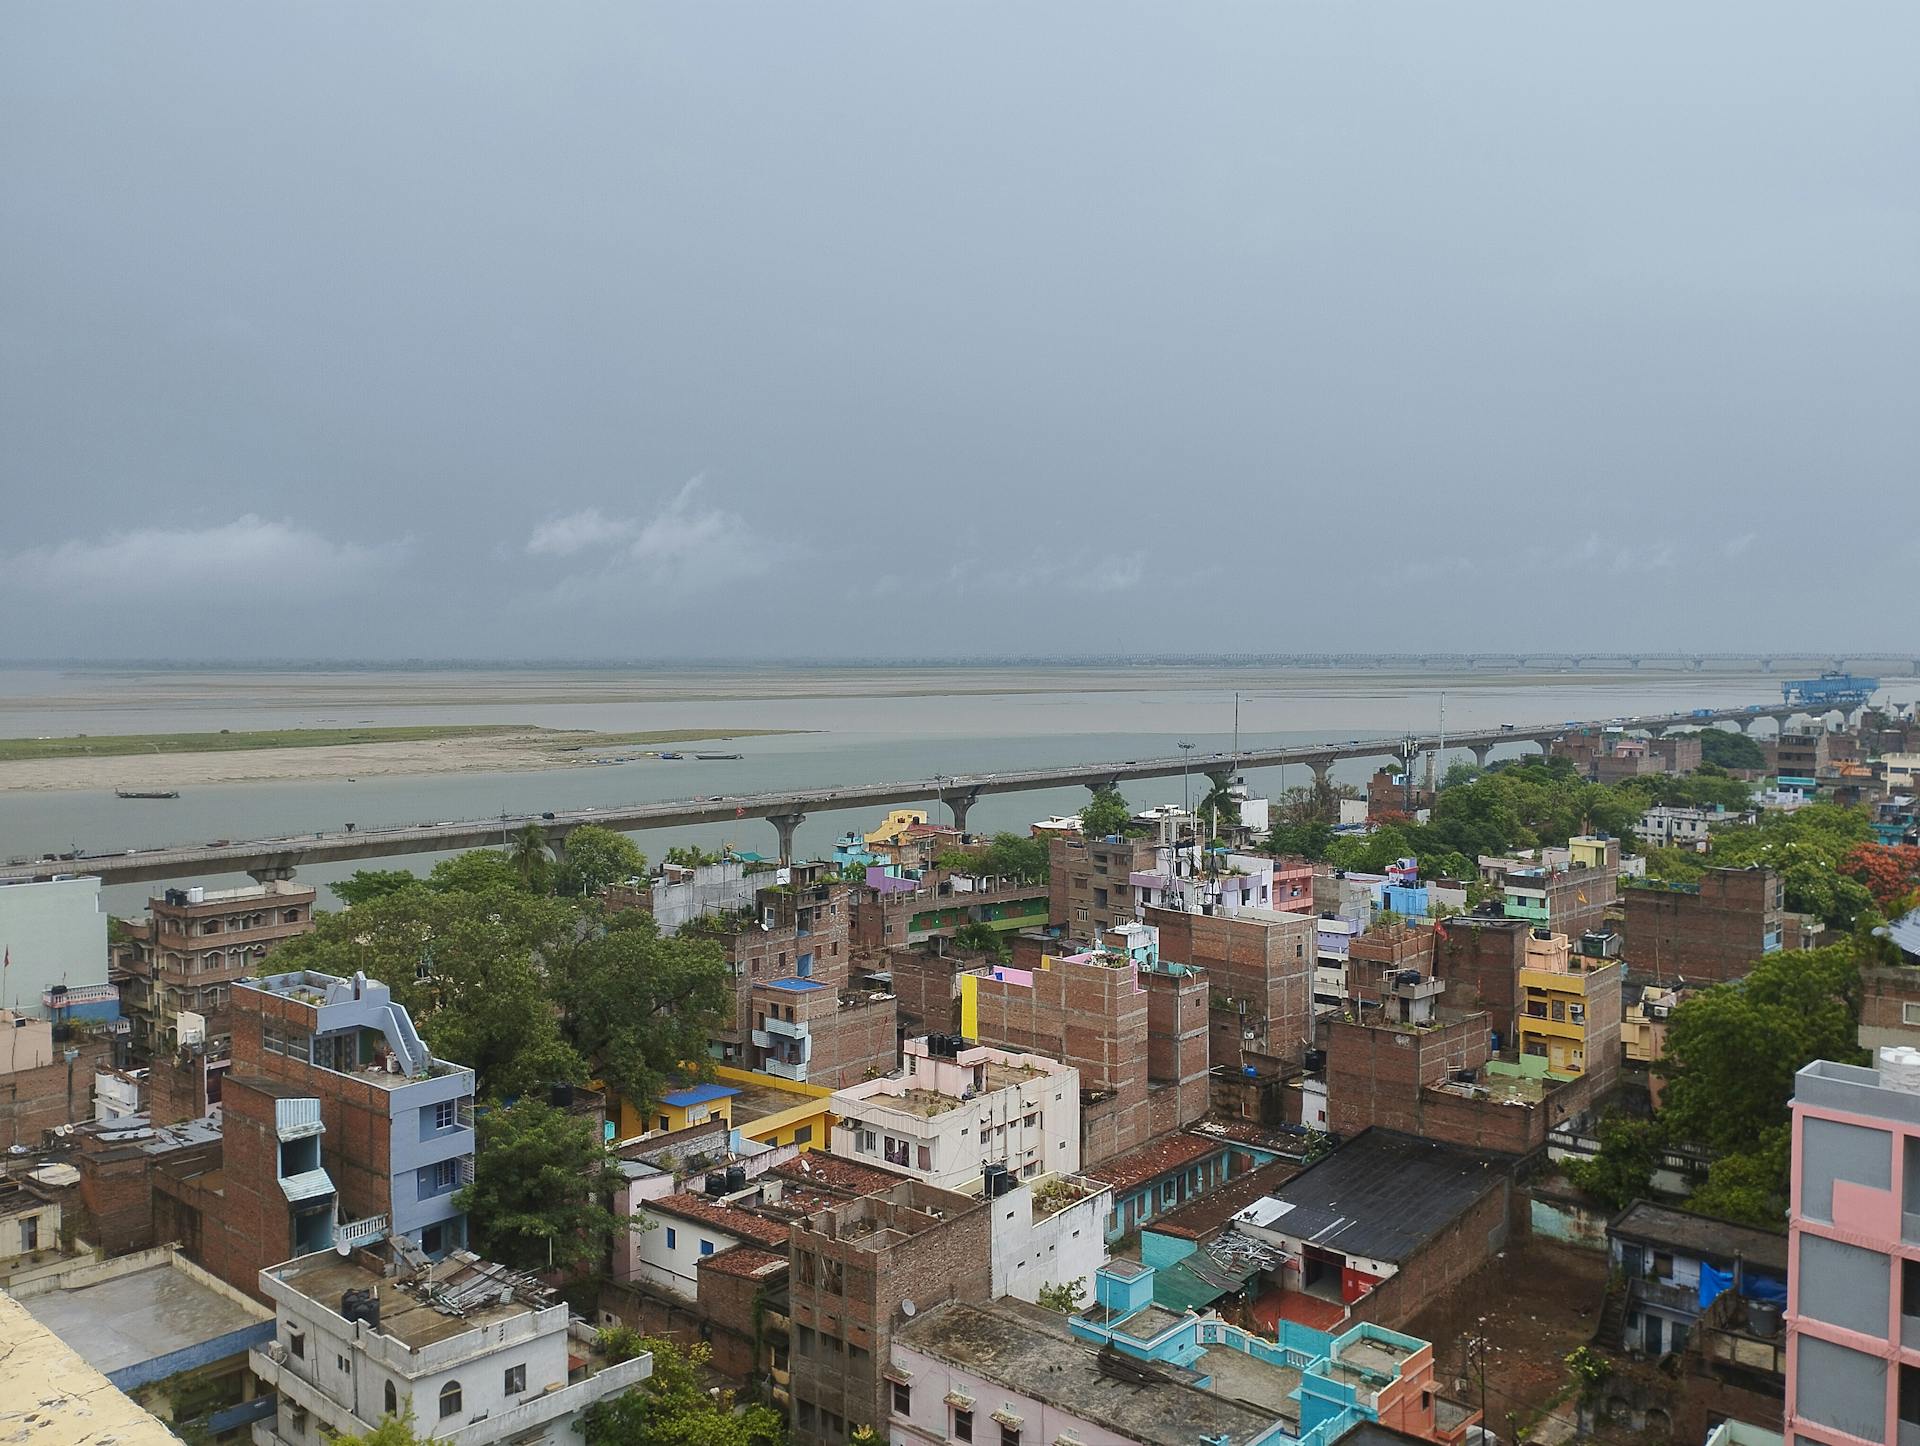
1496 1041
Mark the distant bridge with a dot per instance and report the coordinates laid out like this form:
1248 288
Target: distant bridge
1893 664
280 857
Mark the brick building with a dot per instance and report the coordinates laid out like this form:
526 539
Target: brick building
40 1088
858 1272
336 1125
1709 931
1089 881
1479 956
192 947
1136 1033
1260 966
1569 893
1373 958
807 1031
890 910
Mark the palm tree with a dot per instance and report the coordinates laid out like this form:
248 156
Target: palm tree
528 853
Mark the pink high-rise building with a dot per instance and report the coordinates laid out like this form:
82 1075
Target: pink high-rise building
1853 1304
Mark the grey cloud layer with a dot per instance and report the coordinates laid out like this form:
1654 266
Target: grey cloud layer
476 329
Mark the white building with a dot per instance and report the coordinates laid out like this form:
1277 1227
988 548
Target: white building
54 932
478 1353
1050 1230
1334 941
955 1115
1664 826
1198 882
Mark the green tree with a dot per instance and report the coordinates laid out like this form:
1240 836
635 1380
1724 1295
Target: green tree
1623 1170
638 1002
470 968
674 1406
1017 857
530 858
365 885
542 1185
1107 814
977 938
596 857
1750 1187
691 856
474 872
1724 749
1220 808
1065 1297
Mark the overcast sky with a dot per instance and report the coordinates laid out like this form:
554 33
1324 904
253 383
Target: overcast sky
685 329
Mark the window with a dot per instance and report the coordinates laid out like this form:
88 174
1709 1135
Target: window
806 1415
902 1399
865 1142
803 1134
1662 1265
297 1344
962 1425
1009 1435
446 1174
516 1380
444 1114
392 1400
663 1123
430 1240
706 1247
30 1234
858 1353
673 1238
925 1157
449 1400
1910 1014
340 1362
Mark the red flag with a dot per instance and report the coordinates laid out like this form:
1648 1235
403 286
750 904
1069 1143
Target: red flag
739 813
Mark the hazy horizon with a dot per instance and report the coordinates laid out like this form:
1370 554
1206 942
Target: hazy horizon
688 334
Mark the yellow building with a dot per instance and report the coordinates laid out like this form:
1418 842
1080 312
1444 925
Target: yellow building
780 1111
1554 1016
677 1109
898 822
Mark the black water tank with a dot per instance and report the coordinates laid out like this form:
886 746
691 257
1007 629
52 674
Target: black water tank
560 1096
716 1182
360 1305
736 1177
1316 1059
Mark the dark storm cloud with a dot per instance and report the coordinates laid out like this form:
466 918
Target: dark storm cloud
703 330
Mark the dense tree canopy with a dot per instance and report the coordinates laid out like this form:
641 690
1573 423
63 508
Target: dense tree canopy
1807 848
1108 813
675 1406
1008 855
543 1182
1725 749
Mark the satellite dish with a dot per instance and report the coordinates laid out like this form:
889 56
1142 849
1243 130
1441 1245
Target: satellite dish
341 1247
907 1307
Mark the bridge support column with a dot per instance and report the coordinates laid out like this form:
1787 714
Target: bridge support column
960 803
784 824
271 873
1481 753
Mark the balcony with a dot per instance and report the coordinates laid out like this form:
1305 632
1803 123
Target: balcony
780 1069
1678 1298
355 1233
792 1029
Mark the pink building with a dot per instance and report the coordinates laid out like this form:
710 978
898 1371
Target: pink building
1853 1274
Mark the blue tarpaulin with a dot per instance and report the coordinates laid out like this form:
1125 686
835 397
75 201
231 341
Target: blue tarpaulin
1714 1283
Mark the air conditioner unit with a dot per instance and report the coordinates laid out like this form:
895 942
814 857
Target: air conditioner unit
277 1353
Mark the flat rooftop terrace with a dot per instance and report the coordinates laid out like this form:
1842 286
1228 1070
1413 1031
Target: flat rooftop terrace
325 1277
138 1316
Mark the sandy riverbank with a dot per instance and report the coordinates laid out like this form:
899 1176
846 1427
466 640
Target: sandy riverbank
494 753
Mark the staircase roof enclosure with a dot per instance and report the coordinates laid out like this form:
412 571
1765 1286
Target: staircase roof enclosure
351 1026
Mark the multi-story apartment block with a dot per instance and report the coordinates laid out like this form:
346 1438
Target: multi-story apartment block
1570 1009
1184 879
857 1273
194 944
1706 932
806 1031
1261 965
1853 1283
1801 756
1669 826
1133 1026
961 1111
472 1352
1090 881
339 1124
894 908
1569 897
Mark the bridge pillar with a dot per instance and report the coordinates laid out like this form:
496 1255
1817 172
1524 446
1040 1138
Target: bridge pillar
1766 665
784 824
1097 785
1481 753
960 803
274 873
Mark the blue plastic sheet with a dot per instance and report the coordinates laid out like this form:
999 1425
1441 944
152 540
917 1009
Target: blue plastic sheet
1754 1286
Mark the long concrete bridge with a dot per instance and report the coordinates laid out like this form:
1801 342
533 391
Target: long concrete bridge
786 810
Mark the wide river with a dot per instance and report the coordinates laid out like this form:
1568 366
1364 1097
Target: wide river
861 725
